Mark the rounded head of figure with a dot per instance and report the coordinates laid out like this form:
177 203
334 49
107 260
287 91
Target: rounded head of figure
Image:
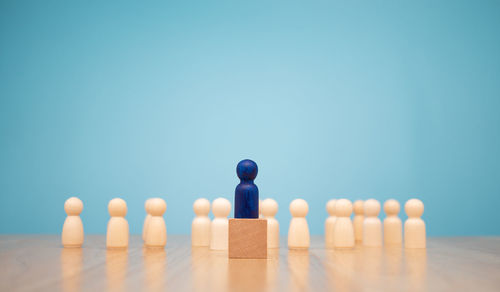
414 208
247 170
372 207
358 207
201 207
343 208
147 205
299 208
73 206
117 208
269 207
157 207
391 207
221 207
330 207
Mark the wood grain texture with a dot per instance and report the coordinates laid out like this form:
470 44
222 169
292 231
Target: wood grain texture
247 238
39 263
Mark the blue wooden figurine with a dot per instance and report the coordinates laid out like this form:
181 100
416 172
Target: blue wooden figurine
246 195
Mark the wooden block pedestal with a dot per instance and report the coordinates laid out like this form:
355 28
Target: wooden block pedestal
247 238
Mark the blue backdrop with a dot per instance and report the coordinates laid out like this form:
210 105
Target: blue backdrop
382 99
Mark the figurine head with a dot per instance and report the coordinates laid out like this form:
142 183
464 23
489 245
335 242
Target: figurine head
117 207
73 206
358 207
221 207
157 207
372 208
391 207
269 207
414 208
201 207
343 208
330 207
247 169
299 208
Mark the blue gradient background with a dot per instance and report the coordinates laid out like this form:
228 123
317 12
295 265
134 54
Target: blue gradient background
382 99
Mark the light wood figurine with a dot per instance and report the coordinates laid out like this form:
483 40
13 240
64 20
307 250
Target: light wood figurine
359 217
269 209
343 232
146 220
156 234
118 231
414 225
330 223
221 208
393 227
72 233
372 227
298 232
200 227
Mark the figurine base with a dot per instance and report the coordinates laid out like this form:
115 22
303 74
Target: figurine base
247 238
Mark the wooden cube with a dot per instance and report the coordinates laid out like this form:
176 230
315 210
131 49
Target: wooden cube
247 238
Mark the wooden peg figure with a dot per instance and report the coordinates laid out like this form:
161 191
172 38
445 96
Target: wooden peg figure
269 209
72 233
200 227
343 231
330 223
246 194
393 227
221 208
156 235
414 225
146 220
298 232
118 230
359 217
372 227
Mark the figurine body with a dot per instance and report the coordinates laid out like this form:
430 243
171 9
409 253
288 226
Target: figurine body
246 195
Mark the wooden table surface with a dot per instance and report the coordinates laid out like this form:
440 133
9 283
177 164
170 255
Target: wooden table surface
39 263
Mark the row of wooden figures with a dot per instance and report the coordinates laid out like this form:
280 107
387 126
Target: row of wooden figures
154 232
340 230
366 227
117 235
